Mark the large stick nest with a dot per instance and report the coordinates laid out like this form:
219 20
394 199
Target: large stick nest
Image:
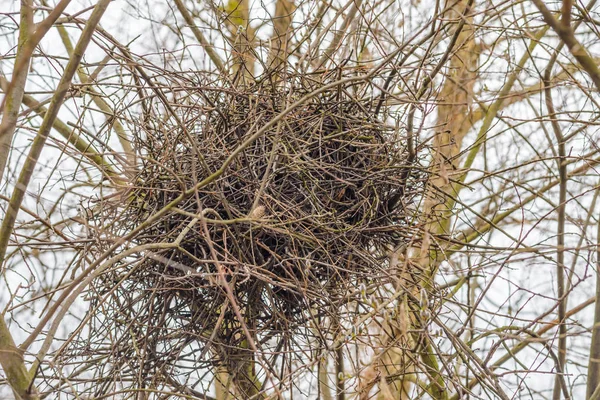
302 215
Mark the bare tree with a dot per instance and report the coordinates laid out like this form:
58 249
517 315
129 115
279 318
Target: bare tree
348 200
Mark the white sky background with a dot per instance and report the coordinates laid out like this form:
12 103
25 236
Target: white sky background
518 286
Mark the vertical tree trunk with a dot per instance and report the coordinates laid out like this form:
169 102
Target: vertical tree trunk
593 383
282 21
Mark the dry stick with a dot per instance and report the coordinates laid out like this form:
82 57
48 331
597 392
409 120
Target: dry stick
210 51
593 384
154 88
513 352
73 138
482 296
510 98
236 309
278 49
451 202
312 27
482 134
495 108
560 237
44 130
423 89
563 179
438 388
582 238
11 360
29 38
567 35
472 235
106 109
515 97
478 362
250 382
487 123
44 221
472 359
323 32
384 96
145 249
560 372
340 33
74 291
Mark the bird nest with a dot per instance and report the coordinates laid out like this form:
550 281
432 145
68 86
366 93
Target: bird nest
267 205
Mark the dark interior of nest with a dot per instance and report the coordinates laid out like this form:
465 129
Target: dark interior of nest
296 222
